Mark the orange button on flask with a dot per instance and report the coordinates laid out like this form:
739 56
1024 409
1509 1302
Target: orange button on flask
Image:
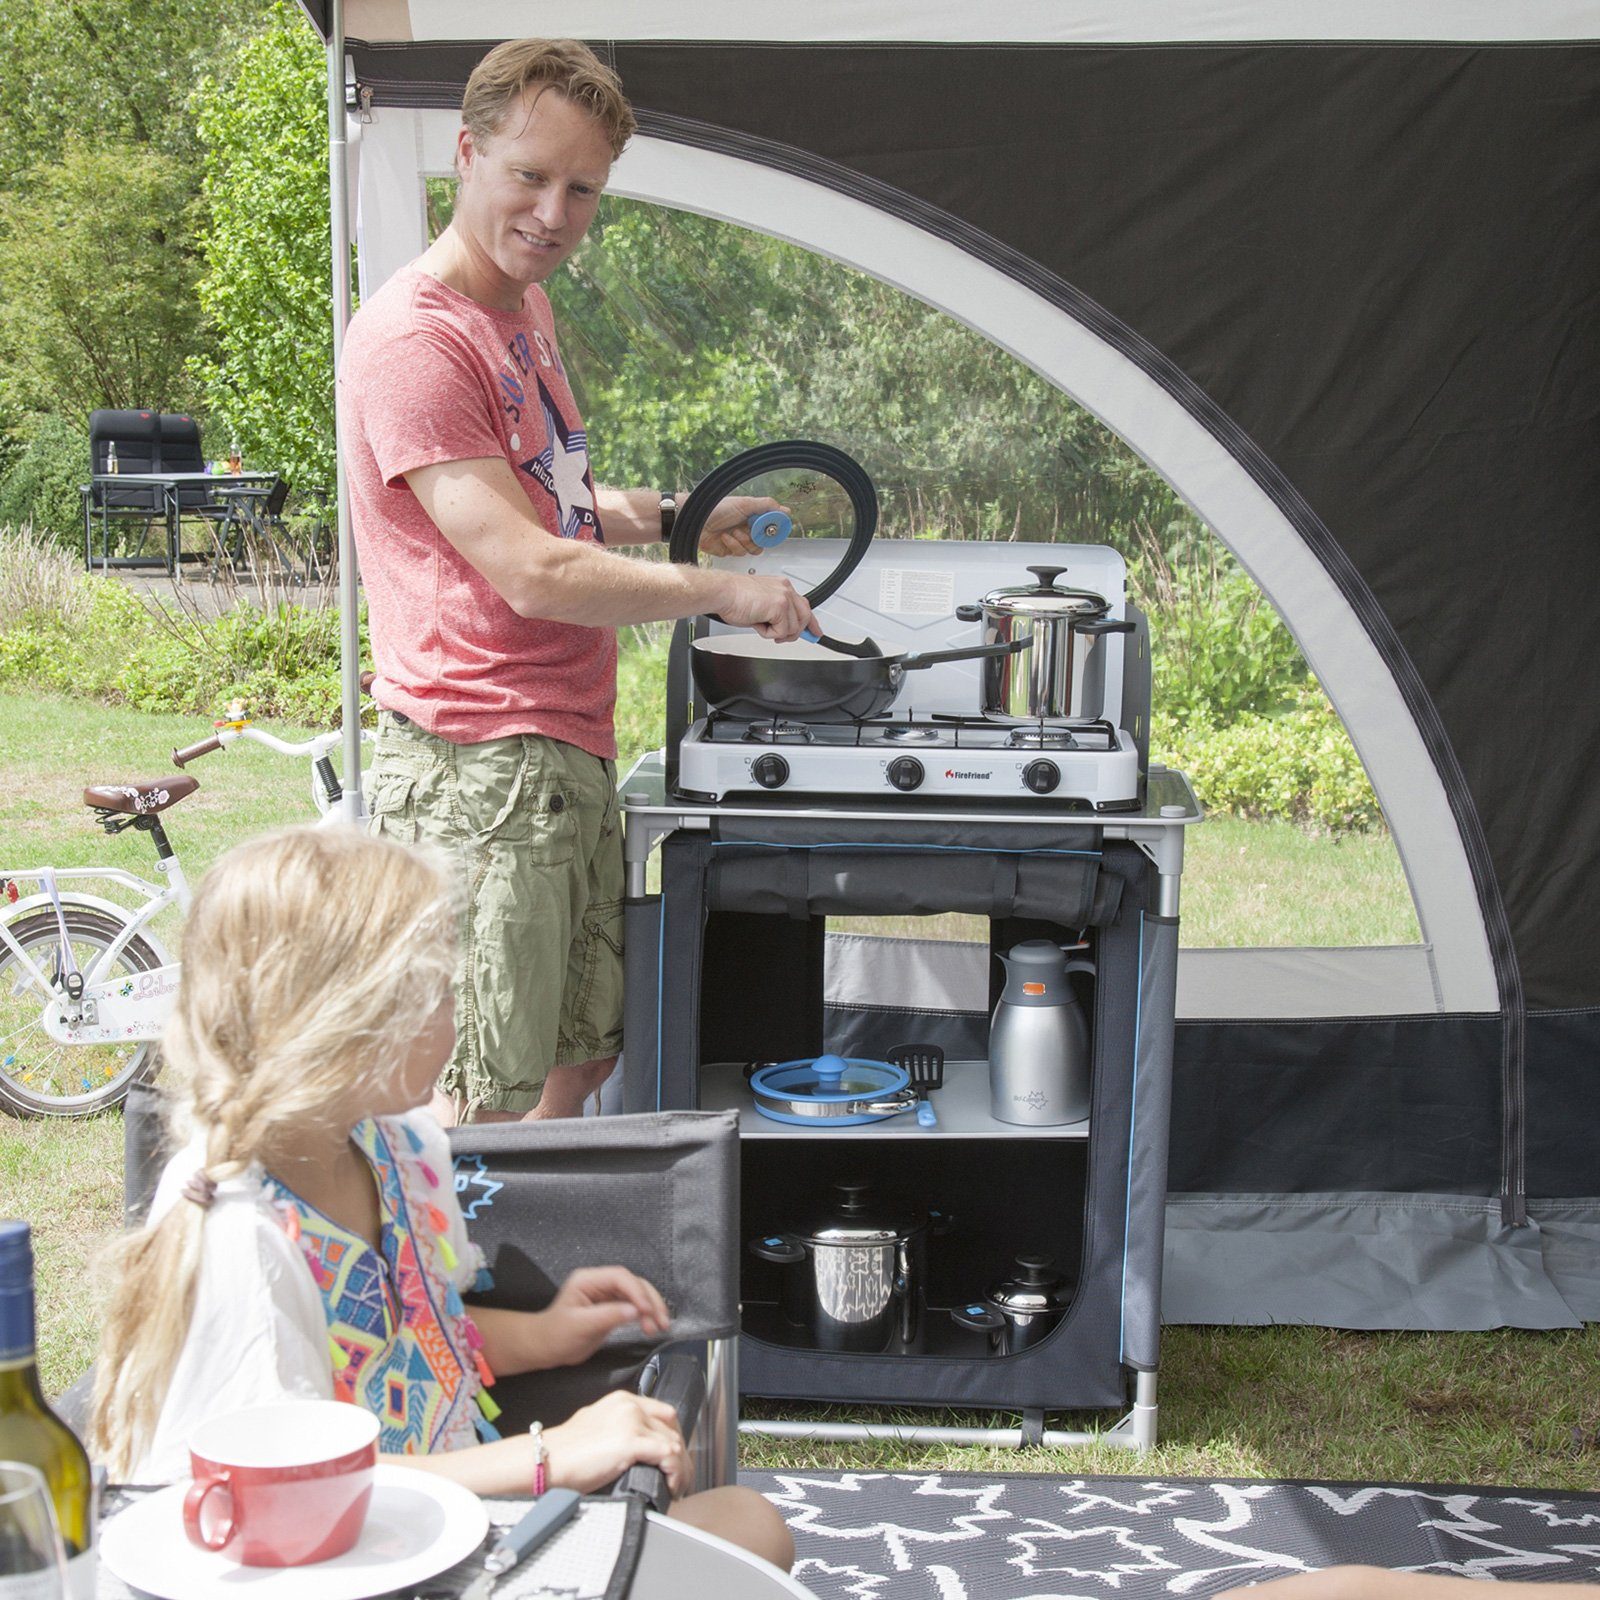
1033 988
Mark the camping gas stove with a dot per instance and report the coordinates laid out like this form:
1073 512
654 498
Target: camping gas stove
932 742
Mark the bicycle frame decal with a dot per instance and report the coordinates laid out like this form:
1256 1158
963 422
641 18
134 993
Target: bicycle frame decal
135 1007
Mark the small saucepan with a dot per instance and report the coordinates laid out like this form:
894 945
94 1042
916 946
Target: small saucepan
745 675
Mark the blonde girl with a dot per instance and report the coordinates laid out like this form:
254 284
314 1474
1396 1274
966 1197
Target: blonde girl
305 1241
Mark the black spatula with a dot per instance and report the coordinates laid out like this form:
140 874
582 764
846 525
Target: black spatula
924 1065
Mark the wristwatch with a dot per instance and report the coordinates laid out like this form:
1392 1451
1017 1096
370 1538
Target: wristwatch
669 514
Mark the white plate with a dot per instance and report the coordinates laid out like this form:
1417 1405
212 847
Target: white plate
417 1526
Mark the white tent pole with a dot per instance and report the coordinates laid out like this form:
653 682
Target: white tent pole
350 628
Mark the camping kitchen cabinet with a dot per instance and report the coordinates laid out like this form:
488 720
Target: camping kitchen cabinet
727 964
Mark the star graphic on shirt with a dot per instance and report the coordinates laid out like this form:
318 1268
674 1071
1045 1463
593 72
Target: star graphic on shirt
562 467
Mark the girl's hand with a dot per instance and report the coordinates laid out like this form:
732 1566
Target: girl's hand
591 1304
602 1441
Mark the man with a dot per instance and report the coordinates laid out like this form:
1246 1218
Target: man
491 597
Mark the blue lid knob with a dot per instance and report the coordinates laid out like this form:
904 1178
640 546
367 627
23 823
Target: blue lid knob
829 1066
771 528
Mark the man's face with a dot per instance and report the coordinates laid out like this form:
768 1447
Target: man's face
529 192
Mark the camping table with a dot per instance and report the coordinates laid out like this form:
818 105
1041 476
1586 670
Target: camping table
171 484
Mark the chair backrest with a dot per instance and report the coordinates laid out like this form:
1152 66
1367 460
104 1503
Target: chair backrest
179 440
277 495
136 435
658 1194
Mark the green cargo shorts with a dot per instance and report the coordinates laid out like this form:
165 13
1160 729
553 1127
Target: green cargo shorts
536 827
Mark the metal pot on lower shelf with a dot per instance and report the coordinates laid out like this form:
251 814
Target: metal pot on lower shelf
1022 1309
854 1275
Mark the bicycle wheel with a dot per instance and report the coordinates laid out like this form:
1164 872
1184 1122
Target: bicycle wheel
40 1077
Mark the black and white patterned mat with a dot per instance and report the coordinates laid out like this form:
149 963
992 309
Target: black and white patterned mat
953 1536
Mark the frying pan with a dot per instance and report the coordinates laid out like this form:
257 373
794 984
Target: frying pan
744 675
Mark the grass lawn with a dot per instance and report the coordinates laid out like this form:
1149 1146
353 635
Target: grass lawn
1505 1407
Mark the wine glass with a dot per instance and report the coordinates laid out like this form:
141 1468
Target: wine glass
32 1562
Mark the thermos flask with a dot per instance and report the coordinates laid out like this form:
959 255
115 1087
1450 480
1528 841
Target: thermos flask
1039 1040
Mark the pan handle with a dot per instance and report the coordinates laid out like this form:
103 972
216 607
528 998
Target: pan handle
975 652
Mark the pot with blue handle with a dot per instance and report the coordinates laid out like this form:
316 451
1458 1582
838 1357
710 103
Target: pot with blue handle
831 1091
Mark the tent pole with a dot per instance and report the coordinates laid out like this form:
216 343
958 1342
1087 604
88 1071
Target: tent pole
349 619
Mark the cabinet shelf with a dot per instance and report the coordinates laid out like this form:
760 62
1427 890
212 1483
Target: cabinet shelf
962 1105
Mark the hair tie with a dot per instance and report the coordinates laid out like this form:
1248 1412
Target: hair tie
201 1188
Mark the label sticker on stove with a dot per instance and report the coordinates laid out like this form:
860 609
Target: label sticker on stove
916 594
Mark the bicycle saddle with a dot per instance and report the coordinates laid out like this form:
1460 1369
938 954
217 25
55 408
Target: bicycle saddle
140 799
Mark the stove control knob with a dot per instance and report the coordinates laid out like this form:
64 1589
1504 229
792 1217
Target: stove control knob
770 771
905 772
1043 777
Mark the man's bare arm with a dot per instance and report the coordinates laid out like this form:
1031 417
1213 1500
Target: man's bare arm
481 509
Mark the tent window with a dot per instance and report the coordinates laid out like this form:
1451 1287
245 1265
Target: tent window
689 338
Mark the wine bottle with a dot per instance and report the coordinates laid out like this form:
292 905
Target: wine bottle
29 1430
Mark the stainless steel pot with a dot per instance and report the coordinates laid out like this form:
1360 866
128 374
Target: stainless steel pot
1062 677
854 1275
1021 1310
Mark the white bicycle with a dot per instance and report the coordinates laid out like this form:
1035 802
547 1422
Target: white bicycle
85 985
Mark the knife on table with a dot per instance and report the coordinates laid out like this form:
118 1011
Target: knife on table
552 1511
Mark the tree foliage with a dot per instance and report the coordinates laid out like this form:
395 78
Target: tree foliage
110 71
97 270
691 338
266 289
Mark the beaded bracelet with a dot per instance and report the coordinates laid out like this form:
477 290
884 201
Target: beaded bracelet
541 1459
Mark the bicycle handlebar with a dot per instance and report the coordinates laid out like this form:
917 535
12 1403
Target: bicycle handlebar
315 748
189 753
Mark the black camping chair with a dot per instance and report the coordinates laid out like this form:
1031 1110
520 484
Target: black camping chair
658 1194
130 440
252 534
179 439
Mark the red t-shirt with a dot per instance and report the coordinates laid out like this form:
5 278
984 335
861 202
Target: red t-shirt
428 375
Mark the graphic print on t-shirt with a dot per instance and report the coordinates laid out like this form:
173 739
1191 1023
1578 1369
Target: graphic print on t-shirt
562 467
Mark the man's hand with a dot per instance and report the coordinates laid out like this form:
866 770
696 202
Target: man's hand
727 529
772 606
588 1306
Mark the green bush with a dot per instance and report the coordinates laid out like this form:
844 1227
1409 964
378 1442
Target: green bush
1297 764
282 663
41 486
1220 650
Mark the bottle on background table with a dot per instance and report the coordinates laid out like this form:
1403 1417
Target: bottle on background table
235 461
29 1430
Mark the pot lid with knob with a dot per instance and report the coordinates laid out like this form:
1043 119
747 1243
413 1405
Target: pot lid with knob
1043 599
1033 1287
854 1216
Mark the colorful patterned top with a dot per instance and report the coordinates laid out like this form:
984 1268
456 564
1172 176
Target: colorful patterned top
399 1336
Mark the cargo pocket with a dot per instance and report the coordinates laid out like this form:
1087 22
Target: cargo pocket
551 814
392 807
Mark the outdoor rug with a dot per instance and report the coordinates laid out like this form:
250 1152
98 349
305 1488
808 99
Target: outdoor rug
956 1536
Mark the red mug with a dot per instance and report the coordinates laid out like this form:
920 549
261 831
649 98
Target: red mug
280 1486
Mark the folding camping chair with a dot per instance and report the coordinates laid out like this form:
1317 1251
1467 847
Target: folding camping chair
251 533
657 1194
134 435
179 439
